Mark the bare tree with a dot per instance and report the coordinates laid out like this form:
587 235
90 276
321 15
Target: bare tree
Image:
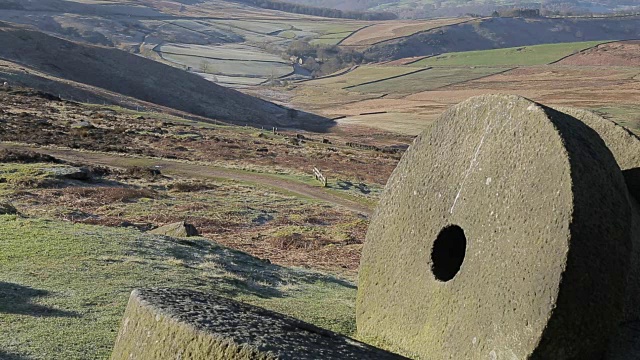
204 67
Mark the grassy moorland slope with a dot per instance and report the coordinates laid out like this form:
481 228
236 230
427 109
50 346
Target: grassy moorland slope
81 243
440 8
74 280
144 79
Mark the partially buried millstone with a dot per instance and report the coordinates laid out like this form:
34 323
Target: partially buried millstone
174 324
504 233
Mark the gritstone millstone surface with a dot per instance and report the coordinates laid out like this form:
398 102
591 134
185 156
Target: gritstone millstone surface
504 233
182 324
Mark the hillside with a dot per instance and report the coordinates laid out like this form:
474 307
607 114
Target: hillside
444 8
141 78
623 53
242 46
229 43
121 117
90 181
406 95
517 56
494 33
92 269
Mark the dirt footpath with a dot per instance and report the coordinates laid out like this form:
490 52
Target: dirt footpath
170 167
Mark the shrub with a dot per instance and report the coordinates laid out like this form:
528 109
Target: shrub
26 157
296 241
143 172
191 186
109 195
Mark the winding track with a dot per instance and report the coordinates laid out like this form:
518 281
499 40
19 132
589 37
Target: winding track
199 171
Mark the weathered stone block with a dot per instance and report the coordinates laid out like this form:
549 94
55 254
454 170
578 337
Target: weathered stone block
177 229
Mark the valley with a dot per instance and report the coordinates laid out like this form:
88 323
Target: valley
239 46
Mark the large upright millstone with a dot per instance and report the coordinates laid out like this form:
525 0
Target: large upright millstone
170 324
625 147
504 233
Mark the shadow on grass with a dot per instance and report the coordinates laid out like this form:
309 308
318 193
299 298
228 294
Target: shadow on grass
348 185
17 299
233 272
12 356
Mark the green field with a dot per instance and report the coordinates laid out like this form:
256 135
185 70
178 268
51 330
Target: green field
259 31
361 75
250 31
260 27
289 34
330 39
226 51
325 41
427 80
398 122
517 56
215 33
234 80
231 68
327 27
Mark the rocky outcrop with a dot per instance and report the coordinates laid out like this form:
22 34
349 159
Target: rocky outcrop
178 229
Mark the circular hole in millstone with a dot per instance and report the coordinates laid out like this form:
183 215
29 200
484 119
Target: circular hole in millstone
448 253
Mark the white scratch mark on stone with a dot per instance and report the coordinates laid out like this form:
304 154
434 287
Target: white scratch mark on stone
471 164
